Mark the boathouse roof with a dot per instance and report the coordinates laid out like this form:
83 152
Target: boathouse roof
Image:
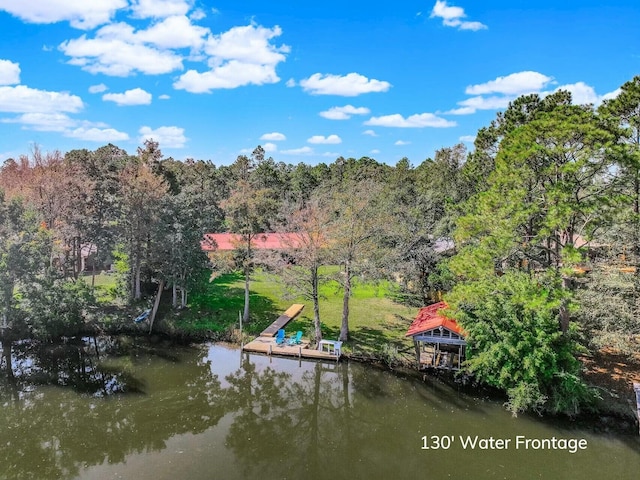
429 319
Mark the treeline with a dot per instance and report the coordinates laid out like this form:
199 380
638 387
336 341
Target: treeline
533 237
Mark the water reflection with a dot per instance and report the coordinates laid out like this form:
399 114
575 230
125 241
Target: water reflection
122 407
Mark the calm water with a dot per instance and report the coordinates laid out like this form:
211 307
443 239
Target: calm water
136 411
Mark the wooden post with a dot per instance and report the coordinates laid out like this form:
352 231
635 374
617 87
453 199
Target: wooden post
155 305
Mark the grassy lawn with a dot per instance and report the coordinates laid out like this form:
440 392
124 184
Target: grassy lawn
375 321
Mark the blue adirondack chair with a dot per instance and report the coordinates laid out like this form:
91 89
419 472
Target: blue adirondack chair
280 337
296 339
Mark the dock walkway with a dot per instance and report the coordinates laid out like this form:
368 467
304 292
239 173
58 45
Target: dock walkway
292 312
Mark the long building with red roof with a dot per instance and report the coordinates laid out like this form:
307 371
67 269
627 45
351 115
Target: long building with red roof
264 241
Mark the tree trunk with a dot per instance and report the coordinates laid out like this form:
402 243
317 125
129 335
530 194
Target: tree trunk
316 304
344 329
6 353
245 315
565 316
156 304
174 295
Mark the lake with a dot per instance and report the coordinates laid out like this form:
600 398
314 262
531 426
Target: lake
126 408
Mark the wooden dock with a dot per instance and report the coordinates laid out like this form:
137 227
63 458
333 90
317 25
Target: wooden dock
292 312
268 346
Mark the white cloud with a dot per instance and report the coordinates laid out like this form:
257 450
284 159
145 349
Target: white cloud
374 151
136 96
320 139
22 99
240 56
298 151
402 142
470 105
169 137
174 32
371 133
114 54
273 136
582 94
461 111
81 14
198 14
94 134
467 138
452 17
9 72
270 147
291 83
414 121
349 85
344 113
44 122
514 84
101 87
164 96
159 8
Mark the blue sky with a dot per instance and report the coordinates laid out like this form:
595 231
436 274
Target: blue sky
308 82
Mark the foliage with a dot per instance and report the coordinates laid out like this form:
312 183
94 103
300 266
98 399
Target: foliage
515 344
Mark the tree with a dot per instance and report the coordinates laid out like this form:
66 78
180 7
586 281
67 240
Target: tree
24 253
248 210
354 234
142 192
307 226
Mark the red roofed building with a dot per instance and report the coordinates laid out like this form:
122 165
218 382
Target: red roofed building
266 241
439 341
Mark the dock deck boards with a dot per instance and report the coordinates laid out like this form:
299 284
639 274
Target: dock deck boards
292 312
267 345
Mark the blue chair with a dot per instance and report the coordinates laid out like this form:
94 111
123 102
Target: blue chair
280 337
295 340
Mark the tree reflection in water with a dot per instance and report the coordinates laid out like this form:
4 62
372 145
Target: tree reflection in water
52 432
296 425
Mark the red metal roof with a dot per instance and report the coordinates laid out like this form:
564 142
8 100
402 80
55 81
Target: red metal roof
428 319
268 241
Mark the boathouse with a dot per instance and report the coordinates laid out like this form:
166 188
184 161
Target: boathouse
439 341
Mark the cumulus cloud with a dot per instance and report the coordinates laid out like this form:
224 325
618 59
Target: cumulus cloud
102 135
371 133
111 55
467 138
374 151
320 139
402 142
169 137
98 88
273 137
9 72
270 147
44 122
159 8
136 96
298 151
414 121
453 17
582 94
344 113
514 84
164 96
23 99
241 56
349 85
80 14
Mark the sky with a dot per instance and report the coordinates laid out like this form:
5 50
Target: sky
309 81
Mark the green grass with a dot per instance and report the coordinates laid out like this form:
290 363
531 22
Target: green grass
375 321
